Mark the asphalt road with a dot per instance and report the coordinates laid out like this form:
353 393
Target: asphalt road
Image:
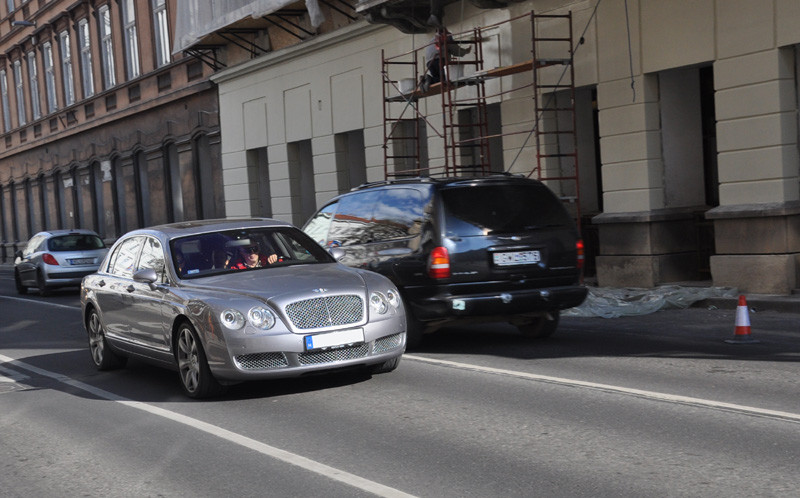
657 405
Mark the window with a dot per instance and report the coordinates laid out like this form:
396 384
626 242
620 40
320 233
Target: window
4 96
124 257
318 226
20 92
33 77
49 77
153 257
161 30
86 58
10 5
66 68
131 39
353 222
106 47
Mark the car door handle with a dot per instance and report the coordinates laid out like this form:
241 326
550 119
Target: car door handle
130 288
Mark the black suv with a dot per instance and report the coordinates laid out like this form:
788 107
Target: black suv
496 248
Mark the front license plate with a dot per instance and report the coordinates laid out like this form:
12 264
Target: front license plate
517 258
81 261
334 339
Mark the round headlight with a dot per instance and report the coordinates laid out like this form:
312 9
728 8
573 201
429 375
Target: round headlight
261 317
232 319
378 303
393 297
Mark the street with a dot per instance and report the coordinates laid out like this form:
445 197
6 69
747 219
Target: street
654 405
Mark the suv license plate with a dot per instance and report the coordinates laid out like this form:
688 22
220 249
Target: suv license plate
516 258
340 338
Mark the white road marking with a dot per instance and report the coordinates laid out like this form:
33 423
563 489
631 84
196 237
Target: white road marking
265 449
46 303
671 398
8 375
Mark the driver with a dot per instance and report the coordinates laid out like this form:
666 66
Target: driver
251 257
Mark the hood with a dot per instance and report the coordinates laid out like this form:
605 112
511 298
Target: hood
285 283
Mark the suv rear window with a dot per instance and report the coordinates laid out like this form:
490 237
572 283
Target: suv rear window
476 210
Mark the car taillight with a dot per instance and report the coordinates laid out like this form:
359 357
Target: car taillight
581 255
439 263
49 259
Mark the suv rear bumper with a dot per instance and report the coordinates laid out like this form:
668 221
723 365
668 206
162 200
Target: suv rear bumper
509 303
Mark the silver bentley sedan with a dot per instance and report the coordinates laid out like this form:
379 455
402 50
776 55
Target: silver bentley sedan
224 301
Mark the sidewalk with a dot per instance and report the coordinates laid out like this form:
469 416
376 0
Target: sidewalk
611 302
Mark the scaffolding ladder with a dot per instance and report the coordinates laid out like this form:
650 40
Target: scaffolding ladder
554 106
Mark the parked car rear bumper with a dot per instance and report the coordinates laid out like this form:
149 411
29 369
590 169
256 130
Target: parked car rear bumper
517 302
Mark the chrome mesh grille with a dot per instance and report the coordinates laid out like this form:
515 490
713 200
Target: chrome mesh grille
329 356
328 311
387 343
261 361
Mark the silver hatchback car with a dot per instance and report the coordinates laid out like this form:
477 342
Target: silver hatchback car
58 258
225 301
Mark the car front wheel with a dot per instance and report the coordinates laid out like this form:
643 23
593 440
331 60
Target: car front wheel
386 366
196 378
103 357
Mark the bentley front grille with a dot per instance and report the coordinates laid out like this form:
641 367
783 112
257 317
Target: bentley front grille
328 311
330 356
387 343
261 361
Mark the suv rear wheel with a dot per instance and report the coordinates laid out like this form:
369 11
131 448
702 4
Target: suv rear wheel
541 326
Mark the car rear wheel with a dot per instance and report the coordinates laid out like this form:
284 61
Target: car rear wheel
43 290
103 357
541 326
386 366
196 378
21 289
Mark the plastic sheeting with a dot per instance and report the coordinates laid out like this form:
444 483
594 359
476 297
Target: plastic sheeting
613 303
198 18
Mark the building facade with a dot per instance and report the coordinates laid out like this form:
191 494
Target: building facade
103 127
686 121
686 112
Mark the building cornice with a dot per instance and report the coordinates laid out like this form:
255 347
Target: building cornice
359 28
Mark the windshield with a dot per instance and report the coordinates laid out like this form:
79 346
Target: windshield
486 209
75 242
244 250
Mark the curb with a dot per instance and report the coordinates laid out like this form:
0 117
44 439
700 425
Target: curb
755 302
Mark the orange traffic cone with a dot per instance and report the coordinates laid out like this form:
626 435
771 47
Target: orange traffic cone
741 333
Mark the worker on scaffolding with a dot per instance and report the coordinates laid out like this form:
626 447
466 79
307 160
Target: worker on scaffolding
439 53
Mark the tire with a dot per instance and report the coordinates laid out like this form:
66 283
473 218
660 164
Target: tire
196 378
102 355
542 326
415 330
43 290
21 289
386 366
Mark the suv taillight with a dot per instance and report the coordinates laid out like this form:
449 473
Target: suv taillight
581 255
439 263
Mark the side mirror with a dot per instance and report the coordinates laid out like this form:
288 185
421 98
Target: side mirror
18 253
336 252
146 276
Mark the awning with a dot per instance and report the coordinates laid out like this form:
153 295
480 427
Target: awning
197 19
